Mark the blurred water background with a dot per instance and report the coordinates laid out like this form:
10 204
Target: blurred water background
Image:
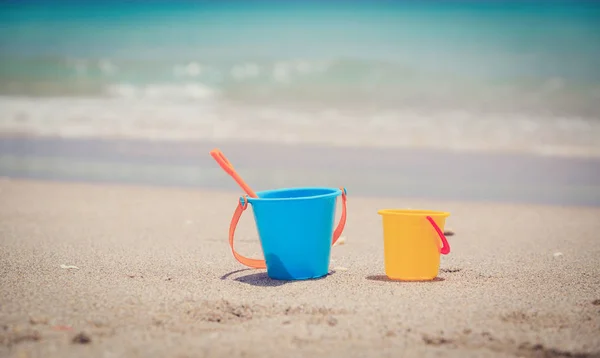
519 77
498 75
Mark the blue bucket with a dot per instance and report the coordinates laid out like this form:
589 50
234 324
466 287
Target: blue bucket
296 230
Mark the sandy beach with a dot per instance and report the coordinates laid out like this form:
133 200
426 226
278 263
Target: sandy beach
114 218
100 270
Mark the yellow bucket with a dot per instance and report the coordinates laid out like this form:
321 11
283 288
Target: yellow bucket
412 243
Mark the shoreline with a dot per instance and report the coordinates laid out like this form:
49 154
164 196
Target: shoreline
564 152
260 144
380 172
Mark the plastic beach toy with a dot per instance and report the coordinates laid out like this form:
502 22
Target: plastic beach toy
412 242
229 169
295 227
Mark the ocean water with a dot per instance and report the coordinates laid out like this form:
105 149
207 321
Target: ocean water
512 76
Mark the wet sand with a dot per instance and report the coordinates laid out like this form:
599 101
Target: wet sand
113 270
404 172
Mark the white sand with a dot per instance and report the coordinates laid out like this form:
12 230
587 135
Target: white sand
154 277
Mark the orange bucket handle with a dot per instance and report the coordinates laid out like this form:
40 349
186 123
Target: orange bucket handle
445 250
261 264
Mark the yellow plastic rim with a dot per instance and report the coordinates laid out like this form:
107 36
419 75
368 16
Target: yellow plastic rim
412 212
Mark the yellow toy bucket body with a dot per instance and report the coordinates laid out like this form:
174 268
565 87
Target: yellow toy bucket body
412 243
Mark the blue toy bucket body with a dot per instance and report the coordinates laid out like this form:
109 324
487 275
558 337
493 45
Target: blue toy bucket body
295 228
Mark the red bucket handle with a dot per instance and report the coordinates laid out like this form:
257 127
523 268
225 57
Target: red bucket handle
261 264
445 250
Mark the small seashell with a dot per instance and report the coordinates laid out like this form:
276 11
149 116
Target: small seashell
558 254
69 267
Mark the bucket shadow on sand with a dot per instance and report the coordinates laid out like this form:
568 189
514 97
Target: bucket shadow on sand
384 278
262 278
226 276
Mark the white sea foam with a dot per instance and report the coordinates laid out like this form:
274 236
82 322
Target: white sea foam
281 72
107 67
245 71
148 115
188 91
191 69
284 71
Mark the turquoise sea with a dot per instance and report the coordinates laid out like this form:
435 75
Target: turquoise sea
518 76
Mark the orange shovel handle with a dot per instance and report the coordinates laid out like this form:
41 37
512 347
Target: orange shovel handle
261 264
228 167
445 250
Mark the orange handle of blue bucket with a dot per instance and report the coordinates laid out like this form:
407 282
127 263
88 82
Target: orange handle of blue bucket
261 264
445 250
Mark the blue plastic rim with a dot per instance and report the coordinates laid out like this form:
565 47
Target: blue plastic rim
295 227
